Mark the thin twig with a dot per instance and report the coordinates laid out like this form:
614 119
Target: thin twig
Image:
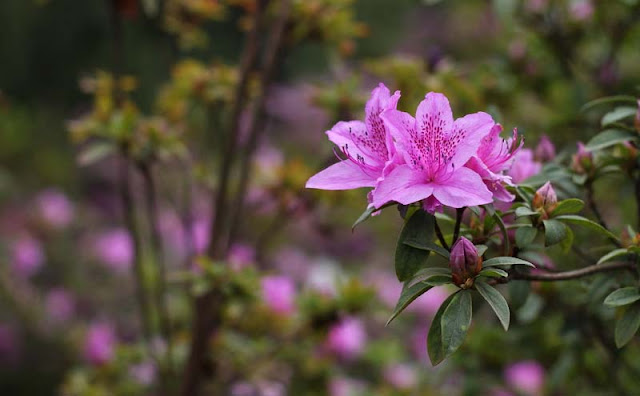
443 242
456 229
156 242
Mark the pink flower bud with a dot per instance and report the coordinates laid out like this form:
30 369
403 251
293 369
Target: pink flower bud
545 151
582 162
464 262
545 200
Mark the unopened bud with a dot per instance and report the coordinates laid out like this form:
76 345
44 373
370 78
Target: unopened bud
582 162
465 263
545 150
545 200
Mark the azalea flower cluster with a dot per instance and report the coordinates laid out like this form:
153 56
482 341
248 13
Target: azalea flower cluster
430 158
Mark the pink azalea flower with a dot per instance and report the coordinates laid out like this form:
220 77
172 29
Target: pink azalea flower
115 249
99 347
279 293
435 149
367 145
55 208
347 338
524 166
527 377
28 256
495 155
401 376
241 256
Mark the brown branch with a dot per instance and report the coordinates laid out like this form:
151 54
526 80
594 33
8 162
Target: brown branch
443 242
568 275
256 128
456 228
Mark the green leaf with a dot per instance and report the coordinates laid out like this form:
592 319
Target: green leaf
426 273
506 261
408 260
583 221
618 114
496 301
456 321
567 242
571 205
525 236
609 138
554 232
408 295
364 216
613 254
627 325
493 273
607 100
434 338
428 245
524 211
624 296
481 249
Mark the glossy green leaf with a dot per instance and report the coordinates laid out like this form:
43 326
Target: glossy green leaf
524 211
583 221
613 254
619 114
363 217
627 325
525 236
434 338
609 99
506 261
408 260
496 301
426 273
568 206
493 273
624 296
554 232
428 245
456 321
609 138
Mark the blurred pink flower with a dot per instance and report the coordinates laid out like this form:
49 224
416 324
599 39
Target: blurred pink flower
201 230
55 208
401 376
278 293
347 338
342 386
144 373
100 343
526 377
115 249
581 10
27 256
536 6
241 256
292 261
545 150
60 305
524 166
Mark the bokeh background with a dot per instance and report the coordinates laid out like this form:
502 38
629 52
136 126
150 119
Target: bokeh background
310 298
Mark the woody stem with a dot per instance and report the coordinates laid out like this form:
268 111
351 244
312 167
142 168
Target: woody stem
443 242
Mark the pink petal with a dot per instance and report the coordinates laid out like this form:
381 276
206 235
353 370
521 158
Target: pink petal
472 129
402 126
381 100
402 185
344 175
345 135
463 188
434 112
